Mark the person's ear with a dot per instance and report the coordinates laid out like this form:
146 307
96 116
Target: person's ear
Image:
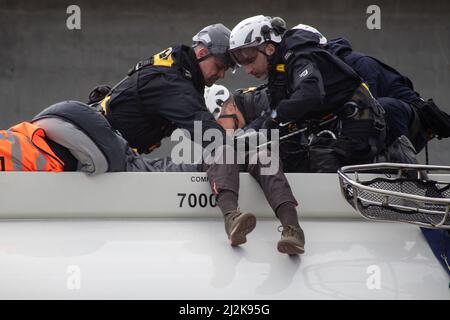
201 52
270 49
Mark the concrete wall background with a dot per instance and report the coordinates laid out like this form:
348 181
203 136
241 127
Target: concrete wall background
42 62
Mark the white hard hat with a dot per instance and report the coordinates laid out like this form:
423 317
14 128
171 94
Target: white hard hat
215 96
305 27
256 30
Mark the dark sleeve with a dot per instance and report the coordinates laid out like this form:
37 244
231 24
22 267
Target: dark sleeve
306 83
258 122
183 105
369 70
400 90
385 81
400 87
252 103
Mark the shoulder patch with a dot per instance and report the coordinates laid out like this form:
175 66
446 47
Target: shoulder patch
164 58
280 68
187 73
287 55
305 72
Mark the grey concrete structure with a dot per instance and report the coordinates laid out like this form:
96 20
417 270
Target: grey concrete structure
42 61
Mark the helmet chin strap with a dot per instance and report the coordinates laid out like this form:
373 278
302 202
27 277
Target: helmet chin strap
269 57
263 52
234 117
204 57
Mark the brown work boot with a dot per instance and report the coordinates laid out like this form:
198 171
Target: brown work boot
292 240
238 225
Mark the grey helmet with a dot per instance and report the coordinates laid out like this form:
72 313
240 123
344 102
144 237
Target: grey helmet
216 38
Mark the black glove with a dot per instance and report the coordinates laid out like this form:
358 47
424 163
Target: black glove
270 123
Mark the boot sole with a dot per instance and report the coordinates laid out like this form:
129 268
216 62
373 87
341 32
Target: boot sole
239 233
289 247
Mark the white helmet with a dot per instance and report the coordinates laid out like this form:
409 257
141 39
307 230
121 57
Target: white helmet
215 97
256 30
305 27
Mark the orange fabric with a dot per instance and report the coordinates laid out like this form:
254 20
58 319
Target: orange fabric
23 148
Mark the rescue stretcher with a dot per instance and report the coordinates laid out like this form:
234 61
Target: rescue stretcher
398 192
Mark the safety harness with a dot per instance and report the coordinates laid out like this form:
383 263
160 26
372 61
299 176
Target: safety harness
162 59
361 111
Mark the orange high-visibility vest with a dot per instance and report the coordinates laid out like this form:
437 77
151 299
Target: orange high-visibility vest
23 148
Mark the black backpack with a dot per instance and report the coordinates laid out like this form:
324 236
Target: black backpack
434 119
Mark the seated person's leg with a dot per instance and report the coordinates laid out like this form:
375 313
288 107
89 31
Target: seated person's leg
278 193
224 180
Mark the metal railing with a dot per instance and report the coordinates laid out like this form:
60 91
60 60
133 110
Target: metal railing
398 192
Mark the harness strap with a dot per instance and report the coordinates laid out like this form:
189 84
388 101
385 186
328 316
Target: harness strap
233 116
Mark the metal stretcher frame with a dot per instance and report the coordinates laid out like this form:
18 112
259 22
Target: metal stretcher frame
357 193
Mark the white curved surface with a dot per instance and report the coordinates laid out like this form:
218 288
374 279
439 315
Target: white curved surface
156 195
131 195
191 259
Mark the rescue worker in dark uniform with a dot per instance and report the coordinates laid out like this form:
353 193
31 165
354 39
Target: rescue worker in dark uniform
166 92
158 95
307 84
406 112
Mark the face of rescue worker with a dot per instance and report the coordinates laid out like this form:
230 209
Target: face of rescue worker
254 60
212 67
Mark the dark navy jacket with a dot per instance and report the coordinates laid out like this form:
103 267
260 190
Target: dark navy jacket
156 100
318 82
383 80
254 105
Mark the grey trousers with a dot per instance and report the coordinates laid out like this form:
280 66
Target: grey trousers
275 186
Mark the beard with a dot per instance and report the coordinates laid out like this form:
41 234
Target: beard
262 76
209 82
